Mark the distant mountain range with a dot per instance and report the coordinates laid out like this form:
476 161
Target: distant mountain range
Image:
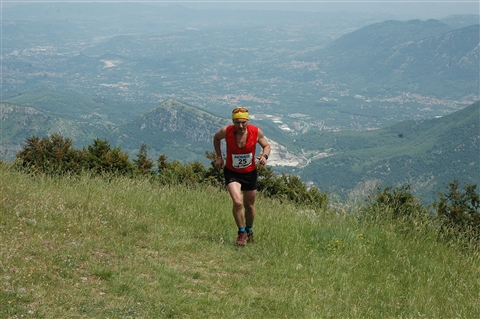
414 56
315 63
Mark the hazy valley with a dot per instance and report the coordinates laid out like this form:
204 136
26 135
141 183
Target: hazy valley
169 76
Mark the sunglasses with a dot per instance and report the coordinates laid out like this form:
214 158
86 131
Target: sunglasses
240 109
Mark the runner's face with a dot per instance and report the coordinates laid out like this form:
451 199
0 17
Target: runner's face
240 125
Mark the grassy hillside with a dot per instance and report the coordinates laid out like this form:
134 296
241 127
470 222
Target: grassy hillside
127 248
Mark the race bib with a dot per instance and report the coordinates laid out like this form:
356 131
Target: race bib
241 160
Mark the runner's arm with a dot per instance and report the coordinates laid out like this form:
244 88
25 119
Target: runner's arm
217 144
262 140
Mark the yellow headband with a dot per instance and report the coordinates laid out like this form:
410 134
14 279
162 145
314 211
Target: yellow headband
240 113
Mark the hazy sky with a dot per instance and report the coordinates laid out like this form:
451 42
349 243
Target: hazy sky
406 9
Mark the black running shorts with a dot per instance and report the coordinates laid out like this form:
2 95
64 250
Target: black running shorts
248 180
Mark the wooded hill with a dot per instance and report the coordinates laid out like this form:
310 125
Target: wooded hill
425 154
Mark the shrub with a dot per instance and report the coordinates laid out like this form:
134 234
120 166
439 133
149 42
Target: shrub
394 204
101 158
162 162
54 155
177 173
459 210
289 187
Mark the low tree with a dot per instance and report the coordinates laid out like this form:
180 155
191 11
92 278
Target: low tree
175 172
162 163
143 164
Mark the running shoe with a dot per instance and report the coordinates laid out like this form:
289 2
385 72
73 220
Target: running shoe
241 239
250 237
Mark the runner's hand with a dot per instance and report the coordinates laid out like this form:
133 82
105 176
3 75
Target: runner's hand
219 162
262 160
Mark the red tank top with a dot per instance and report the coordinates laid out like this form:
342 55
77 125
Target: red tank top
241 159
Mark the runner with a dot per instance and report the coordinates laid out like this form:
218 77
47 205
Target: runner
239 168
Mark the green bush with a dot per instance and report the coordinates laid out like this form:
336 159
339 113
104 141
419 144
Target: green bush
459 210
101 158
289 187
393 204
54 155
177 173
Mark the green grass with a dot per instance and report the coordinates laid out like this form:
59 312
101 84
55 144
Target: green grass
83 247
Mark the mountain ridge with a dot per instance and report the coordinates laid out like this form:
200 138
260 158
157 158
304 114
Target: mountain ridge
431 59
179 129
422 153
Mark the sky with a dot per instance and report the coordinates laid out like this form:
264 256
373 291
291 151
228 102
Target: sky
406 9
